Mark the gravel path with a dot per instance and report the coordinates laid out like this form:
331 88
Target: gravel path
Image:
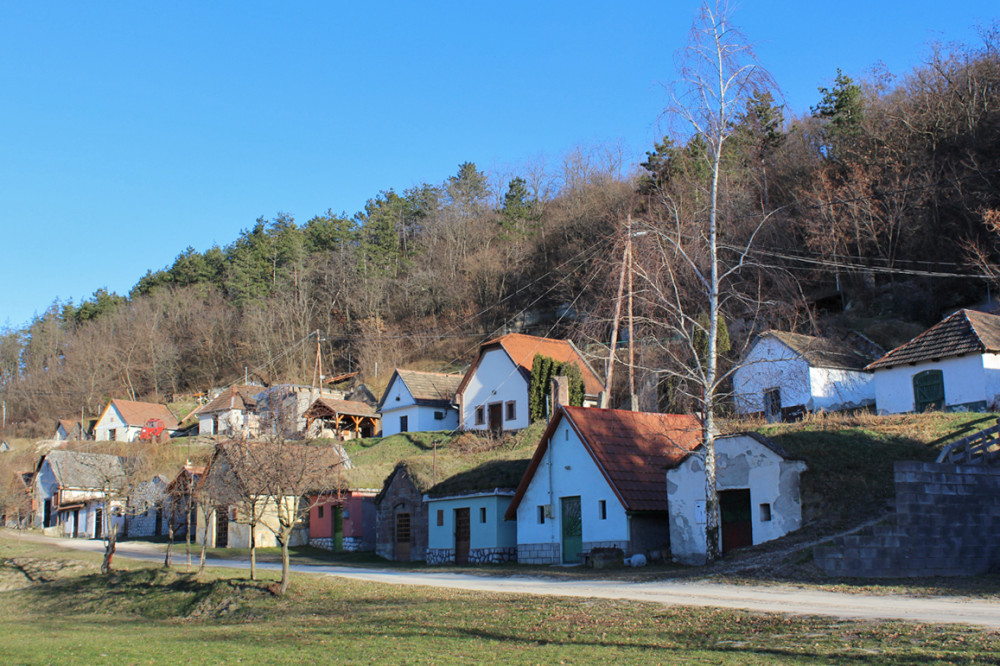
786 599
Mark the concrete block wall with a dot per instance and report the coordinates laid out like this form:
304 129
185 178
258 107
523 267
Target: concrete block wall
539 553
947 523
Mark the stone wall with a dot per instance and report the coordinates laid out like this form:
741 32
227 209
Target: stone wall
539 553
947 523
497 555
402 496
348 544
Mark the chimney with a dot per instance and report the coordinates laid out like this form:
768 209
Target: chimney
560 392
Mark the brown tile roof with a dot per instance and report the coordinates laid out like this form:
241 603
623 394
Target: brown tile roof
633 450
522 348
434 389
69 424
823 352
90 471
137 413
965 332
330 406
235 397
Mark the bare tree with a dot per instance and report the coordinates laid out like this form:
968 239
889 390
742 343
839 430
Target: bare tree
686 272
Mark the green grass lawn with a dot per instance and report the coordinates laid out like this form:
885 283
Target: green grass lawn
54 607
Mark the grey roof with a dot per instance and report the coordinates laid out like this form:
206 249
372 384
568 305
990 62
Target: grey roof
433 389
76 469
964 332
823 352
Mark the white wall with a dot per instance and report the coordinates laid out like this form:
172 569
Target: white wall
573 473
991 371
494 533
834 389
964 381
741 462
399 402
497 379
112 420
770 364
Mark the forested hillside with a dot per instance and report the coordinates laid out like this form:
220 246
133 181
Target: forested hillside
869 213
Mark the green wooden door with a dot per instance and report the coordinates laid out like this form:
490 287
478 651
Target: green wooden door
338 529
572 530
928 390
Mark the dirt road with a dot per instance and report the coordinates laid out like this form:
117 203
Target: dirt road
787 599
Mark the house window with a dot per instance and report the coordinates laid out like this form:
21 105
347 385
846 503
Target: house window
482 514
765 513
439 416
541 514
511 411
480 415
440 518
404 423
928 390
320 510
113 434
602 509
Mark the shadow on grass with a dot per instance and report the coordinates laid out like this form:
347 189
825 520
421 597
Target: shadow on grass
965 430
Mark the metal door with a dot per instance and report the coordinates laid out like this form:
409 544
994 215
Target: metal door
572 530
338 529
462 536
222 527
402 537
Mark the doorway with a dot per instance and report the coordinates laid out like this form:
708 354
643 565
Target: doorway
76 523
402 537
495 417
737 519
222 527
98 523
462 536
572 530
338 529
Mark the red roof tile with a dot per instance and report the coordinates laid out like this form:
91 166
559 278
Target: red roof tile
235 397
632 449
137 413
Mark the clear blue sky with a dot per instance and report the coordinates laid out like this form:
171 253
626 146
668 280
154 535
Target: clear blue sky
132 130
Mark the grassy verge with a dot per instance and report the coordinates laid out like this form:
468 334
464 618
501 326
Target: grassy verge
145 614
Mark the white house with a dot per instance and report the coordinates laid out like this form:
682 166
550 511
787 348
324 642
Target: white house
122 420
758 486
70 490
785 374
494 392
67 429
596 481
147 509
419 401
954 365
230 413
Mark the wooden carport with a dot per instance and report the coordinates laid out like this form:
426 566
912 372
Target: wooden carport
344 417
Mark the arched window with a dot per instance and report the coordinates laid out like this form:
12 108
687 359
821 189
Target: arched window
928 390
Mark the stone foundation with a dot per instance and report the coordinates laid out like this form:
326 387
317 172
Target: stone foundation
539 553
476 555
348 545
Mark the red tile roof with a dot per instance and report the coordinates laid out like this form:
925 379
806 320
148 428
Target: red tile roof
964 332
137 413
633 450
522 348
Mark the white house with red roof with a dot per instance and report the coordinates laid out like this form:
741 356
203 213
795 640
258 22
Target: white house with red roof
122 420
758 486
493 395
596 481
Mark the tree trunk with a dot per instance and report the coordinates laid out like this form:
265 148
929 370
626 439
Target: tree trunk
170 543
109 547
253 553
712 546
285 563
204 549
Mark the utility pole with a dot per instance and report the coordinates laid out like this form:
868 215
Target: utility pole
633 402
318 368
610 366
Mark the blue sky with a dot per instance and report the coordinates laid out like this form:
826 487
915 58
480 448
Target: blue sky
132 131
